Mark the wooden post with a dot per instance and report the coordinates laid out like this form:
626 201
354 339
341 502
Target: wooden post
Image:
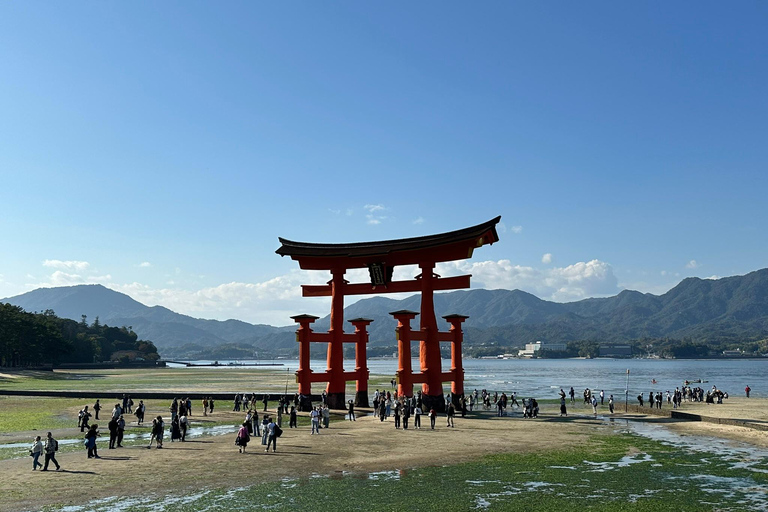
361 361
303 334
404 367
457 366
336 383
429 349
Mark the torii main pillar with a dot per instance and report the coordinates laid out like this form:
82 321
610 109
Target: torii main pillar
380 258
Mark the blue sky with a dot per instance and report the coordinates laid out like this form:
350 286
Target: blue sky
161 148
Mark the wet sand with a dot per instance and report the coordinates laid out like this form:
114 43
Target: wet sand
362 446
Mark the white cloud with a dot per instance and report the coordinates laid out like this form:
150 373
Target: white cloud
374 214
516 229
72 265
692 264
574 282
419 220
145 264
275 300
61 278
547 258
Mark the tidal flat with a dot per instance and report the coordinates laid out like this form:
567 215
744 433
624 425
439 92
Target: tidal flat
603 462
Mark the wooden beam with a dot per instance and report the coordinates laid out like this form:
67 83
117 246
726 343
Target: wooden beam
441 283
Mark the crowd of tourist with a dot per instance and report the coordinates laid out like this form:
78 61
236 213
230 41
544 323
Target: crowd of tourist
406 413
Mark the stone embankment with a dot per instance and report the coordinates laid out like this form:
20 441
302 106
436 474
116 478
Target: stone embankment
687 416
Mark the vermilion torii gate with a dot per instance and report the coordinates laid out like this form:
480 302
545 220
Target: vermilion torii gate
380 258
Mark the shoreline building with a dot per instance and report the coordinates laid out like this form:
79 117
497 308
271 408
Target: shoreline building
531 348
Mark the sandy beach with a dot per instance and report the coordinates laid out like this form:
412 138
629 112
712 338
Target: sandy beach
361 446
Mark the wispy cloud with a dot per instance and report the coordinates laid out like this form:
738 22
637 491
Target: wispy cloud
61 278
516 229
547 258
145 264
71 265
374 214
692 264
418 220
577 281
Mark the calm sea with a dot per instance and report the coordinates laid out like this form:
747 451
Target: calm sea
543 378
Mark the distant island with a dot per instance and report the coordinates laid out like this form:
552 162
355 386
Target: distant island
725 317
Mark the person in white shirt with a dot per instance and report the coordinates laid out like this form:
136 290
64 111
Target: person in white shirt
315 418
36 451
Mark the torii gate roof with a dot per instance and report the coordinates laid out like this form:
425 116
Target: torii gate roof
454 245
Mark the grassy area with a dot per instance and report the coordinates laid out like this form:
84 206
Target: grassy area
610 472
183 380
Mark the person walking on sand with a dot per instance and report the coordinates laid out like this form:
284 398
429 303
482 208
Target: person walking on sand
572 393
96 409
610 403
450 413
594 405
184 426
563 411
432 417
35 452
112 426
314 416
51 447
747 390
417 417
351 411
326 413
157 432
90 441
292 421
602 396
272 436
86 416
243 437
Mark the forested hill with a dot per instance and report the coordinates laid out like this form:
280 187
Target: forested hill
30 339
704 310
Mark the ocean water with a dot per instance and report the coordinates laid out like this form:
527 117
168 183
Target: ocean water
543 378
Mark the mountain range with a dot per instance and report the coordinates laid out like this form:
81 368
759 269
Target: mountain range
701 309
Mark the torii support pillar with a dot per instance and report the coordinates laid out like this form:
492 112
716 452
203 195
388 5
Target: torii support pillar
304 373
404 369
457 367
337 384
429 348
361 361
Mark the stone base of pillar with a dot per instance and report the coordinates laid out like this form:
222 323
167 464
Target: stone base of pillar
436 402
361 399
305 403
337 401
456 399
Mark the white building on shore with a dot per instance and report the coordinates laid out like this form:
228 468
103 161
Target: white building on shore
531 348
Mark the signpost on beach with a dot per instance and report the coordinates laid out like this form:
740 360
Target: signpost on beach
626 392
